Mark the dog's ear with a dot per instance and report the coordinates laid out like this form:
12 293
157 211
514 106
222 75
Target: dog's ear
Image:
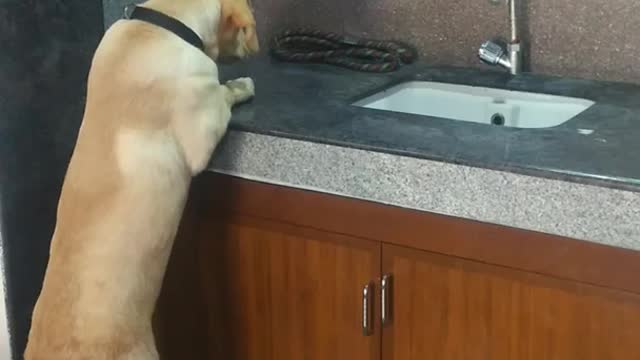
238 17
251 39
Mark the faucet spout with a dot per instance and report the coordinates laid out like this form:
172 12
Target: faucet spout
513 17
514 49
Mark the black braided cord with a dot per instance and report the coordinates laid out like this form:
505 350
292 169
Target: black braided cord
312 46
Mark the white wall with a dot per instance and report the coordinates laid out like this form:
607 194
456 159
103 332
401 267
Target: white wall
5 347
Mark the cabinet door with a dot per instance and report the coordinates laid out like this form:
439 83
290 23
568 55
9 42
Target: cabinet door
273 291
446 308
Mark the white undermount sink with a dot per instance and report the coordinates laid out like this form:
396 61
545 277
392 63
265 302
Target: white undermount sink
477 104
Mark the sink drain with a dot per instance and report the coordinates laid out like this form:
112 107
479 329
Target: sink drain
497 119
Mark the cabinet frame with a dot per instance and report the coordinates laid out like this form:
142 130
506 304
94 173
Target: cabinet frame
340 219
531 251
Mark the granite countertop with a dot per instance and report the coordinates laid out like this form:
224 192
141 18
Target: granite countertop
312 103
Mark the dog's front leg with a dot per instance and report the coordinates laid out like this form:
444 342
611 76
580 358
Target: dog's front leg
239 90
204 118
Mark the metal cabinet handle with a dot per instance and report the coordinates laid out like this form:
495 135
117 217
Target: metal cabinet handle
367 310
385 296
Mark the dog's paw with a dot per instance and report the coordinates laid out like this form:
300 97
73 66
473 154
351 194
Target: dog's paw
242 88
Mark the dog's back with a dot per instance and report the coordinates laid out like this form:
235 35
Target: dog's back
119 207
154 113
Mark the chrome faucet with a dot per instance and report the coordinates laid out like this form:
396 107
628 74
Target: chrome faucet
509 56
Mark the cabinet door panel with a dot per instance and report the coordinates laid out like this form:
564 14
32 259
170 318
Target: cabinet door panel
316 292
446 308
234 271
267 290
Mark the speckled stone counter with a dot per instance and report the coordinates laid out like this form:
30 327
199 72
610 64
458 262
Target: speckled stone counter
301 131
586 212
313 103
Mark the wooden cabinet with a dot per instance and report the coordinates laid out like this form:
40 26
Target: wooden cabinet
268 290
265 272
446 308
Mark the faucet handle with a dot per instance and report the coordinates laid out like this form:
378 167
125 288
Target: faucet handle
493 54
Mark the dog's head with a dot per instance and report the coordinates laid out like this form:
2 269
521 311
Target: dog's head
227 27
236 38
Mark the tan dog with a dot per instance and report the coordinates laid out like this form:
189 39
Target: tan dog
155 112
